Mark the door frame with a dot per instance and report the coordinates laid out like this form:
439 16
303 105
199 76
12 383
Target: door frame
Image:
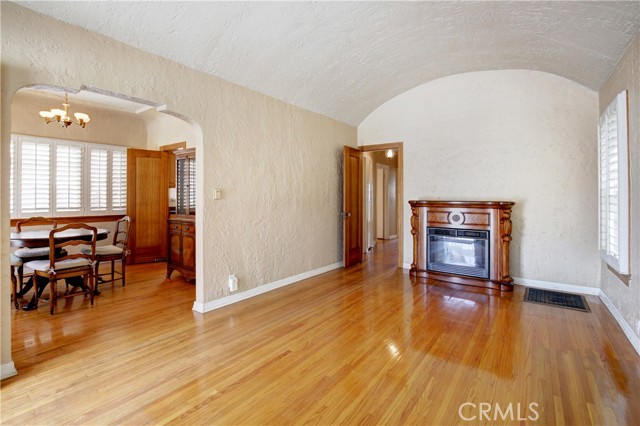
400 192
352 221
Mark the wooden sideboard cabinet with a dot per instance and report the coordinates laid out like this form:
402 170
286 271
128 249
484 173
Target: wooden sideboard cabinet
462 242
182 225
182 247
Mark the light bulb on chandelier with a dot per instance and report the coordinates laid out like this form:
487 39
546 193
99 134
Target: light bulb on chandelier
62 116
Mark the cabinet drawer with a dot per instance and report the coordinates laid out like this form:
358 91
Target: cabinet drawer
189 227
173 226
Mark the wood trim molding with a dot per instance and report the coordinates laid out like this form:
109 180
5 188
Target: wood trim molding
173 147
75 219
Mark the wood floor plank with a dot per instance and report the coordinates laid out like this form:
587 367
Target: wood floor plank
367 345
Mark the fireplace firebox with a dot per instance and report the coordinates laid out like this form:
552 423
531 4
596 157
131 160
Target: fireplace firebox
458 251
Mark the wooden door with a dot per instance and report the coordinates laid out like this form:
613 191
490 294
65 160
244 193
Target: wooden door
147 205
352 206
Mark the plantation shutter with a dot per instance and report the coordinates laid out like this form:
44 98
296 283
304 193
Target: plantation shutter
192 184
613 184
35 176
98 168
119 181
12 171
68 178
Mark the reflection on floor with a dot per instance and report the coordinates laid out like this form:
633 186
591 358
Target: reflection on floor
364 345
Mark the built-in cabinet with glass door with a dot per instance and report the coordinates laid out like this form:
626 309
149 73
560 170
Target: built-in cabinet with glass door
182 223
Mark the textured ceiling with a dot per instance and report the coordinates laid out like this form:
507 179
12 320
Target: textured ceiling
344 59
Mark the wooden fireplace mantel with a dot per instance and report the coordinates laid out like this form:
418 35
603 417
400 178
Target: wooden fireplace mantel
492 216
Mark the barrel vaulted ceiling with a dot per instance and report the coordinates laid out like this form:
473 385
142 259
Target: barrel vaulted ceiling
344 59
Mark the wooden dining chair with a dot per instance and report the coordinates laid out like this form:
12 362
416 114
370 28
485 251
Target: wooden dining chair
16 263
114 252
67 266
26 254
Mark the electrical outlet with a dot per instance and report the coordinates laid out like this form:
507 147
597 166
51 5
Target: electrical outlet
217 193
233 283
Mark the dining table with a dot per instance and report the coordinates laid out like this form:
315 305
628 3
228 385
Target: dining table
40 238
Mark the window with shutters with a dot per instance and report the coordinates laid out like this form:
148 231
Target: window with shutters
35 176
12 168
613 150
119 181
98 167
66 178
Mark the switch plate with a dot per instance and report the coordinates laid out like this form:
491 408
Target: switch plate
217 193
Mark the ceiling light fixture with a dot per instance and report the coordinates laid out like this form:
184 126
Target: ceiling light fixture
389 153
62 116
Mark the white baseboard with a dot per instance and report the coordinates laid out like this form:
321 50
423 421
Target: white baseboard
593 291
550 285
406 266
628 331
7 370
238 297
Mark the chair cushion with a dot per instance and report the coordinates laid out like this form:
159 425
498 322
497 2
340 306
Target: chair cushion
16 261
104 250
27 253
43 265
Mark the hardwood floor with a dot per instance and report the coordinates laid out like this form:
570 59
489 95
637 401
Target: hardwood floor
367 345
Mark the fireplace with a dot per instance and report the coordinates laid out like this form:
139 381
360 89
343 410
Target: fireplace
462 242
458 251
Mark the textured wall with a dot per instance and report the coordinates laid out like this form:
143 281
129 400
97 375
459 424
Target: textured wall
165 129
277 165
626 297
345 58
106 126
522 136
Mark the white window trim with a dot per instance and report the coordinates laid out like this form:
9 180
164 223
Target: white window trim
620 263
86 178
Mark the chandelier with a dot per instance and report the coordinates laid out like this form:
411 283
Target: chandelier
62 116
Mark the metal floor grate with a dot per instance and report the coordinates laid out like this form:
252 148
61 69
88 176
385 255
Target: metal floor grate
556 298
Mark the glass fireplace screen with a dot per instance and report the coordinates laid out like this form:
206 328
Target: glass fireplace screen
458 252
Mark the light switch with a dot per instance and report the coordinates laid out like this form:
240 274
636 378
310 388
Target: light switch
217 193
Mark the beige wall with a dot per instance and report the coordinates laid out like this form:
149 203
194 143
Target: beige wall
165 129
106 126
278 165
521 136
626 297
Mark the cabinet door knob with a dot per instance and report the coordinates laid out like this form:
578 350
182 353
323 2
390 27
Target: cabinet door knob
186 228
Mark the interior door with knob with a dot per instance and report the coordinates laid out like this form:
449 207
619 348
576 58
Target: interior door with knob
352 204
147 205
